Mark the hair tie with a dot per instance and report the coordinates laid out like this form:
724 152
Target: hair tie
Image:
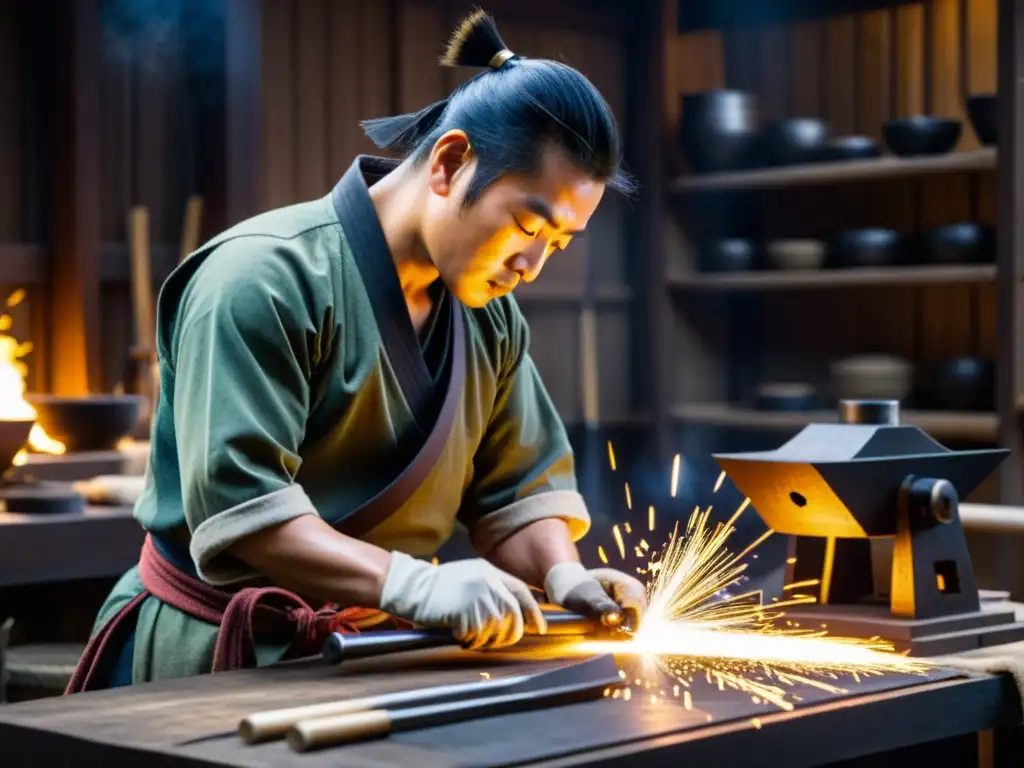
499 59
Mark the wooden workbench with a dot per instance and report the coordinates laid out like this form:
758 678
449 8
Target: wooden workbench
191 722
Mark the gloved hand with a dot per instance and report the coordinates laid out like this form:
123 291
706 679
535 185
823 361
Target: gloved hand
483 606
596 592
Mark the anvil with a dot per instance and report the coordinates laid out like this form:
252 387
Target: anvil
851 493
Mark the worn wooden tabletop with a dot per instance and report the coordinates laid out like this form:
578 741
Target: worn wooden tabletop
192 722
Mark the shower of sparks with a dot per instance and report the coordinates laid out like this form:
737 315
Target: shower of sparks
697 629
675 475
611 456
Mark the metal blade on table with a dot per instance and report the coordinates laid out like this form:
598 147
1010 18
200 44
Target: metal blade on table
585 681
273 724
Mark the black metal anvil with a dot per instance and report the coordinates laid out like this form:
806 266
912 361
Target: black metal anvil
872 507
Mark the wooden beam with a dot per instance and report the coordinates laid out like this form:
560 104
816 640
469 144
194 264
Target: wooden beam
242 160
645 155
1010 265
602 16
75 281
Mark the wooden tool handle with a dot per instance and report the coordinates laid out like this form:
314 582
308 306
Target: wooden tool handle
326 731
142 279
191 226
265 726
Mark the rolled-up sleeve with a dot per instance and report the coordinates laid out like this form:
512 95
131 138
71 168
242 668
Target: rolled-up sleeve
242 355
523 470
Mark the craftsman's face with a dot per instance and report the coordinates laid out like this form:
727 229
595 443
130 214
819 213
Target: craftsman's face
510 231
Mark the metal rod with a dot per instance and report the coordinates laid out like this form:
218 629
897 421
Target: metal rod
992 518
339 647
371 724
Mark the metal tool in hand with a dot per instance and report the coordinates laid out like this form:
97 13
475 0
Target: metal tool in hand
340 647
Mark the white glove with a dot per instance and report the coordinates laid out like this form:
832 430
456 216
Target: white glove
483 606
597 592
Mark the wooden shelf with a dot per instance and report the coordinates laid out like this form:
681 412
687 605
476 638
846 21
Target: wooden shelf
29 263
570 293
834 278
981 427
832 173
23 263
612 421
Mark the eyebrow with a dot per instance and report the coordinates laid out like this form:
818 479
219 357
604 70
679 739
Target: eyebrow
540 207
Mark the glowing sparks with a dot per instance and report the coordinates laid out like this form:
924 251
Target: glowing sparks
619 542
675 475
650 518
697 628
629 498
611 456
719 481
602 555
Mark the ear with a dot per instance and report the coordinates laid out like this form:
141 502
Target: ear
451 153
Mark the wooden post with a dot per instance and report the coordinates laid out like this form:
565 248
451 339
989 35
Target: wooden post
75 265
646 157
1010 265
243 33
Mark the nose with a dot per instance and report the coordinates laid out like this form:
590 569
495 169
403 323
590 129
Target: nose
528 263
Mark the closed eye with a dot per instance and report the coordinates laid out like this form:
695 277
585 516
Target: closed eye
524 230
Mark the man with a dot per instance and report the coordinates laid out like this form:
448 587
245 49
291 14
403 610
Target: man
342 380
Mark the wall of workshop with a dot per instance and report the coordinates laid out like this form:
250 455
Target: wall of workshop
18 221
324 66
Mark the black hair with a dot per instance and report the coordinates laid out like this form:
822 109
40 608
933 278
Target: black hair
509 112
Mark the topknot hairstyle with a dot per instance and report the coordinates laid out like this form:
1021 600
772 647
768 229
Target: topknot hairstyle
510 111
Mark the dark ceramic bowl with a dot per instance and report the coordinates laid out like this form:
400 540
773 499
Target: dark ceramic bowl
729 254
851 148
785 396
718 131
981 110
89 423
920 135
964 384
873 247
960 243
13 436
790 142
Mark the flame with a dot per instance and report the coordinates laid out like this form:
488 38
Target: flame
13 370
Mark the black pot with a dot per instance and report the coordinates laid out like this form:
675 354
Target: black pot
873 247
795 141
728 254
981 110
718 130
920 135
89 423
964 384
851 148
960 243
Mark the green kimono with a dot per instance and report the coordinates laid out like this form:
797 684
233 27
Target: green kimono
279 400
